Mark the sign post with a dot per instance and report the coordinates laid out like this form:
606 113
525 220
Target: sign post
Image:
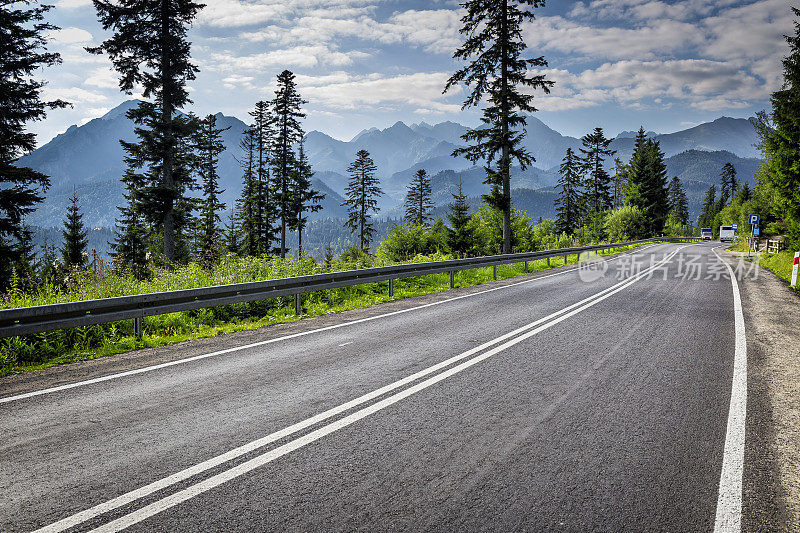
753 219
794 269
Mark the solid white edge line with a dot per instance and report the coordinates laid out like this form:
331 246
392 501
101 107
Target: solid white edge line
172 500
187 473
142 370
729 500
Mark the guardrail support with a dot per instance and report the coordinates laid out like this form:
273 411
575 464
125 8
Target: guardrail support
452 279
391 287
137 328
548 262
526 266
298 304
565 259
494 272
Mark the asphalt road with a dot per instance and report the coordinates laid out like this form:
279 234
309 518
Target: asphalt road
560 403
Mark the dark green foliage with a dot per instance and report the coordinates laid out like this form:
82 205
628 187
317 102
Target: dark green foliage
208 145
647 183
23 41
459 234
304 197
263 194
149 49
362 194
727 179
493 32
568 204
745 193
709 211
418 204
782 141
598 182
679 204
620 183
75 236
286 123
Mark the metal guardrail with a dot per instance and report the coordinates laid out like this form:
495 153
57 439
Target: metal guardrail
43 318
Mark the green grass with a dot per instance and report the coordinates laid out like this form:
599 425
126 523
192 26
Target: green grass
33 352
780 264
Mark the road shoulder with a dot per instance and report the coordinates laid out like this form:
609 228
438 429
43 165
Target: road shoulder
771 484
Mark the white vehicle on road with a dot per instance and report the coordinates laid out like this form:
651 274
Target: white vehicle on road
705 234
726 234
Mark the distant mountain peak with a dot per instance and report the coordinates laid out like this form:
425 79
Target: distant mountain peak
120 110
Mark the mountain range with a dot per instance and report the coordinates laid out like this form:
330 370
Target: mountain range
89 159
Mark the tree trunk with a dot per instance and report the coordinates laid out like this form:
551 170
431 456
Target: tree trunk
505 167
169 156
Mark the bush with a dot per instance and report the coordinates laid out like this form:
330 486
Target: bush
406 241
625 224
486 226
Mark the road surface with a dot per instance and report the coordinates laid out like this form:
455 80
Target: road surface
569 401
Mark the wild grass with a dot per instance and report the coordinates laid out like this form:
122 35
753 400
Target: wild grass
31 352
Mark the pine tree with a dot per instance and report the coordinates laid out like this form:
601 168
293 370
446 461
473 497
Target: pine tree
362 194
246 208
745 193
708 211
288 132
149 49
459 234
782 142
232 234
23 50
620 182
679 204
76 238
304 197
597 182
494 43
568 205
208 146
264 193
418 204
727 179
129 248
648 183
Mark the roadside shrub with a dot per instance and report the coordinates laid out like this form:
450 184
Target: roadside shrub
625 224
408 240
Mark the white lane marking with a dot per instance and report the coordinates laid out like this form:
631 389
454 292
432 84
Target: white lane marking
346 343
278 339
729 499
187 473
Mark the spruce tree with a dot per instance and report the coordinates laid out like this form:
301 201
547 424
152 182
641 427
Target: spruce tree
782 142
568 205
620 181
745 193
264 193
76 237
708 211
246 205
305 199
459 234
727 179
597 182
494 45
418 204
288 132
648 183
149 49
208 146
679 204
129 248
362 194
23 42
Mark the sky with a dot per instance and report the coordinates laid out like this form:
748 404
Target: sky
617 64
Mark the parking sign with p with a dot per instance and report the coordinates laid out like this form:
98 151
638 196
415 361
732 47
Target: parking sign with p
754 219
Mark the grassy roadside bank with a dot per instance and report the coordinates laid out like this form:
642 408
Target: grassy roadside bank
33 352
779 264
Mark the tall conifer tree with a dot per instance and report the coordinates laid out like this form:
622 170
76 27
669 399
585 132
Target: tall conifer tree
361 198
418 204
76 236
727 179
264 193
678 203
305 199
208 146
149 49
459 235
568 205
23 41
494 45
598 181
288 132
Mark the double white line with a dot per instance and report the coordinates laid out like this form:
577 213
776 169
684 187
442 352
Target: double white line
465 360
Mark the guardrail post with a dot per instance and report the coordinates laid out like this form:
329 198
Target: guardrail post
452 279
565 259
494 272
526 266
137 327
391 287
548 262
298 304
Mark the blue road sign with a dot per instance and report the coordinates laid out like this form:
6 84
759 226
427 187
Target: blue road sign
735 227
755 231
754 219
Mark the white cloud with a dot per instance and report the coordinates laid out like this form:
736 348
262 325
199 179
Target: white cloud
104 78
74 95
297 57
70 36
73 4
